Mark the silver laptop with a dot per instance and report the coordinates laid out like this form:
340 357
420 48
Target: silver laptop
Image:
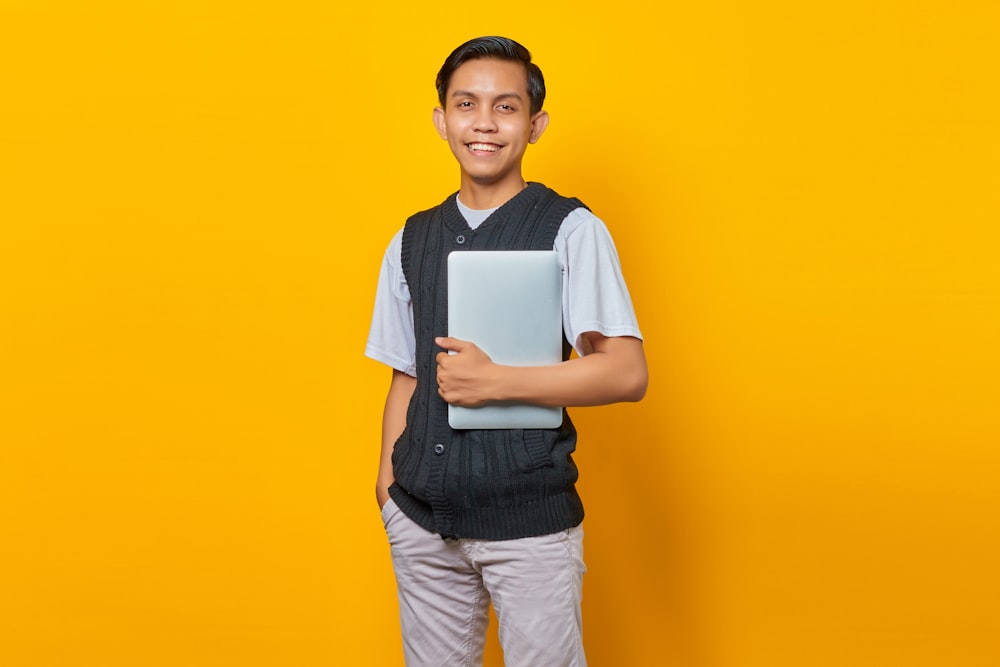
509 303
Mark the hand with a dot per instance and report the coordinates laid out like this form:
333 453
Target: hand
463 378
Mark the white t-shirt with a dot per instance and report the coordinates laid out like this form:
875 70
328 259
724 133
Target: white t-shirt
594 298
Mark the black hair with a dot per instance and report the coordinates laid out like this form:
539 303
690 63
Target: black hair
499 48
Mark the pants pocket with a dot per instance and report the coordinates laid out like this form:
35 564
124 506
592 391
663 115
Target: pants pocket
389 510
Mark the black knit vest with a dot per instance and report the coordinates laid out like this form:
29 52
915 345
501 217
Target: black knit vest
485 484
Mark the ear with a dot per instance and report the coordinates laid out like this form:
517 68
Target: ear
439 123
538 125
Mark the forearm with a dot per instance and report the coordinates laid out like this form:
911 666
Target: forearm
614 372
610 371
393 423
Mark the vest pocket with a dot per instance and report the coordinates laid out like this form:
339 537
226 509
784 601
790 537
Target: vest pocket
532 449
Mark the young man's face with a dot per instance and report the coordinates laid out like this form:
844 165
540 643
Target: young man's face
487 120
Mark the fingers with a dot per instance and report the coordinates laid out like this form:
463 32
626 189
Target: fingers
450 344
461 368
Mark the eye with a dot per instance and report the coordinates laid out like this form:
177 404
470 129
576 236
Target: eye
505 107
465 104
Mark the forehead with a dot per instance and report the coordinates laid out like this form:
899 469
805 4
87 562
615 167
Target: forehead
489 76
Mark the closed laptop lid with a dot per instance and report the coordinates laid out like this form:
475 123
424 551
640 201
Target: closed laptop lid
509 303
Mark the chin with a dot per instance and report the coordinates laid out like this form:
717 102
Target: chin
491 179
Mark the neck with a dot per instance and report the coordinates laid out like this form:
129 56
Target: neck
489 195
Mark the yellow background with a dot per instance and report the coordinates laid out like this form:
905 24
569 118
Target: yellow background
194 200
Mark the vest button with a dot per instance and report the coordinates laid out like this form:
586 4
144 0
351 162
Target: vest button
439 449
460 240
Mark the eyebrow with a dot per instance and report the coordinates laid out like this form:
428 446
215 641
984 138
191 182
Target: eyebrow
501 96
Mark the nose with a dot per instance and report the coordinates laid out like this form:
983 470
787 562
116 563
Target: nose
484 121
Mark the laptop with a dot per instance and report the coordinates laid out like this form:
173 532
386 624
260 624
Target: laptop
509 303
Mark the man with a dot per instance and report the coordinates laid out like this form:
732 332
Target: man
474 516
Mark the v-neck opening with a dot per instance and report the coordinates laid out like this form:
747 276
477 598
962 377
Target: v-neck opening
457 222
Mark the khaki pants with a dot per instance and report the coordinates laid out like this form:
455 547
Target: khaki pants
445 587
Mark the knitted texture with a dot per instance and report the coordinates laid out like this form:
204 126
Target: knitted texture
484 484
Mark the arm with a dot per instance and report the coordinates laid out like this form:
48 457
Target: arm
611 370
393 423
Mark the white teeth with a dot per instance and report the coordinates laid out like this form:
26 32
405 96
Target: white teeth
484 147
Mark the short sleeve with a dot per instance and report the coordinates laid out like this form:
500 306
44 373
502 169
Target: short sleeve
391 338
595 296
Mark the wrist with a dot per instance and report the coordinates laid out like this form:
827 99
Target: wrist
382 495
500 385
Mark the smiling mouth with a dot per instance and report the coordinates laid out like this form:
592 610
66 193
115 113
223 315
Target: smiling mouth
488 148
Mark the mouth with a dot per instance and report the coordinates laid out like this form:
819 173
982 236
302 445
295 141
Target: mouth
483 148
